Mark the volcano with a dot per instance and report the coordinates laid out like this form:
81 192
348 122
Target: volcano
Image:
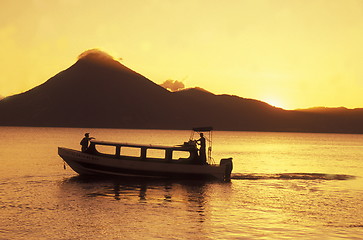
98 91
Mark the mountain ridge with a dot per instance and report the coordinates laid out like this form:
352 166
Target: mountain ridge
98 91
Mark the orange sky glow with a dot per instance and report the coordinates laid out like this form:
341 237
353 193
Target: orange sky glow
289 53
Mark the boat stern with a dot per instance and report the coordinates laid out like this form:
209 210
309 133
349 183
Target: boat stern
228 167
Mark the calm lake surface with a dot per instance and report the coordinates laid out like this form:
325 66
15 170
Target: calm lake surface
284 186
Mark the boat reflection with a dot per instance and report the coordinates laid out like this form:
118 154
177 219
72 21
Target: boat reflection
185 199
142 190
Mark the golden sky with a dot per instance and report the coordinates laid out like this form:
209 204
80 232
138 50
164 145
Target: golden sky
290 53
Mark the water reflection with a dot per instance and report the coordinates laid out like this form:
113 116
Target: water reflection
157 205
194 193
197 200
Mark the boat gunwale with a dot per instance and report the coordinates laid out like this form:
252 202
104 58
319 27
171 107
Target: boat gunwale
148 146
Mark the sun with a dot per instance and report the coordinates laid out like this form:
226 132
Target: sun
274 102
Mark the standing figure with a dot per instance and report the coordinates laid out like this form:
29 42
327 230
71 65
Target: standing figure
202 154
85 141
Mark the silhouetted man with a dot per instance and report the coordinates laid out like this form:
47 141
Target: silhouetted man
84 142
201 142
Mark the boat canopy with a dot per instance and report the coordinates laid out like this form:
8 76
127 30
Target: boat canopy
203 129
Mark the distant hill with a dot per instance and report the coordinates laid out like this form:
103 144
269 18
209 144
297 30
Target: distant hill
98 91
337 110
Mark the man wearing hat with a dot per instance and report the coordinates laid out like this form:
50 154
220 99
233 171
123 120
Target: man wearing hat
85 141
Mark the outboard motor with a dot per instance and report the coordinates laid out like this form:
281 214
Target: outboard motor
228 170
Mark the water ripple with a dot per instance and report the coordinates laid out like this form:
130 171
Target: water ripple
304 176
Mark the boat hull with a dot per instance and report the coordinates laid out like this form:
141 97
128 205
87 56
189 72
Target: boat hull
90 164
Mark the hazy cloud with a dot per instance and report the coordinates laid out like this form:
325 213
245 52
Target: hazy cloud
173 85
95 54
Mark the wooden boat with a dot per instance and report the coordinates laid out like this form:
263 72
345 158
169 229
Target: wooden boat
124 159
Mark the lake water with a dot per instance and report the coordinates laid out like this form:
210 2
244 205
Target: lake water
284 186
